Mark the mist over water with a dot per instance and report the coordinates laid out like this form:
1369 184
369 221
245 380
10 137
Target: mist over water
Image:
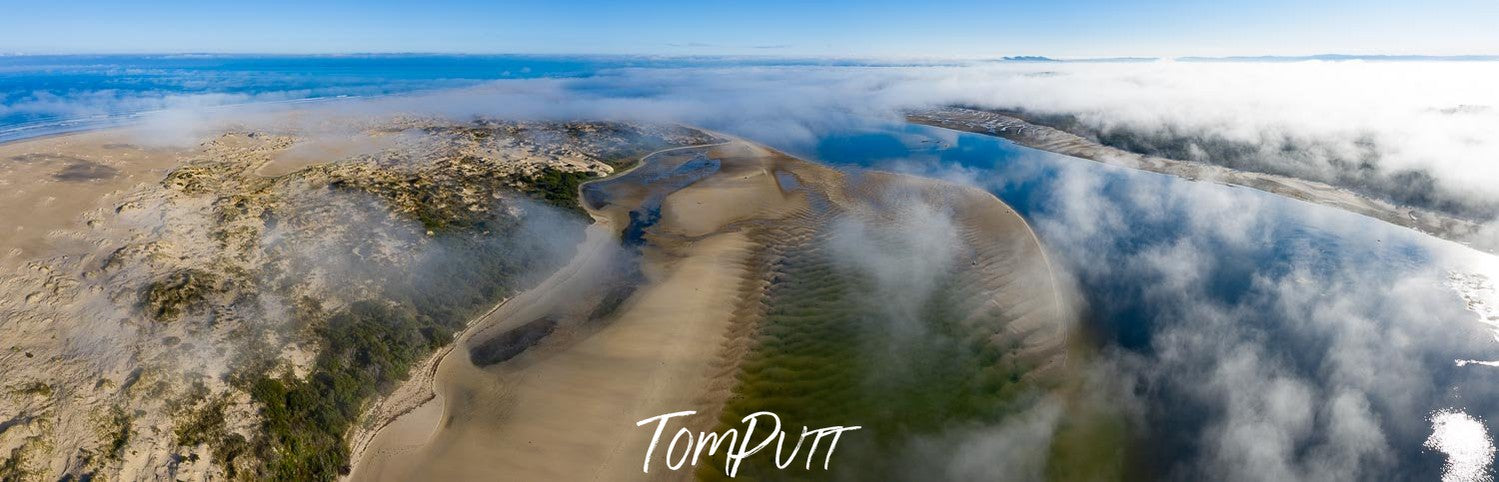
1412 133
1260 338
44 94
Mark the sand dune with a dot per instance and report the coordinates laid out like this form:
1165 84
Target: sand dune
142 285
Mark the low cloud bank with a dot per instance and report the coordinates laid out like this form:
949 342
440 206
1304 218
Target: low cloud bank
1418 133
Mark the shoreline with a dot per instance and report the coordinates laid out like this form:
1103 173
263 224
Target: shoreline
128 120
362 436
699 273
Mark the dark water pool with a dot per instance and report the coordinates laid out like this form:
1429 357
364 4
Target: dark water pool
659 179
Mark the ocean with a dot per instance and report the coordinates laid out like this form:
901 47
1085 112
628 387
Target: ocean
47 94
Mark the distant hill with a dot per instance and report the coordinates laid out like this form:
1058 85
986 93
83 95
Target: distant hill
1038 58
1269 58
1030 58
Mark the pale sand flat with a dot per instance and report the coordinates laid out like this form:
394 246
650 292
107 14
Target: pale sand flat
48 186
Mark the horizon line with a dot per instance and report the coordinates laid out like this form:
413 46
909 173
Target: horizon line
993 57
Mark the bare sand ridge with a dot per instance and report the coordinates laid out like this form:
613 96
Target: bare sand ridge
565 408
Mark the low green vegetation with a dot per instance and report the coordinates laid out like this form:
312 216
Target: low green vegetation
36 388
116 428
202 424
440 205
177 293
368 347
559 188
13 466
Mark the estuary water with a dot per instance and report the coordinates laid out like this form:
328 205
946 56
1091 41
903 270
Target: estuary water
1243 329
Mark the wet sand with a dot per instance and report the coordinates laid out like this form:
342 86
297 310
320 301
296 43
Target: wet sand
565 408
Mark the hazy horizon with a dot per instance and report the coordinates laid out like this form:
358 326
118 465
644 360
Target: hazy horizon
1075 29
1013 56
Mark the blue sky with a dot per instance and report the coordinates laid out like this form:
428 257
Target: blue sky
1066 28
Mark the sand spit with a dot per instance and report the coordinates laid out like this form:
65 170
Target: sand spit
1061 142
669 298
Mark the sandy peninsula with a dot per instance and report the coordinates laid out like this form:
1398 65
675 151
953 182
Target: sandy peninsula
708 231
